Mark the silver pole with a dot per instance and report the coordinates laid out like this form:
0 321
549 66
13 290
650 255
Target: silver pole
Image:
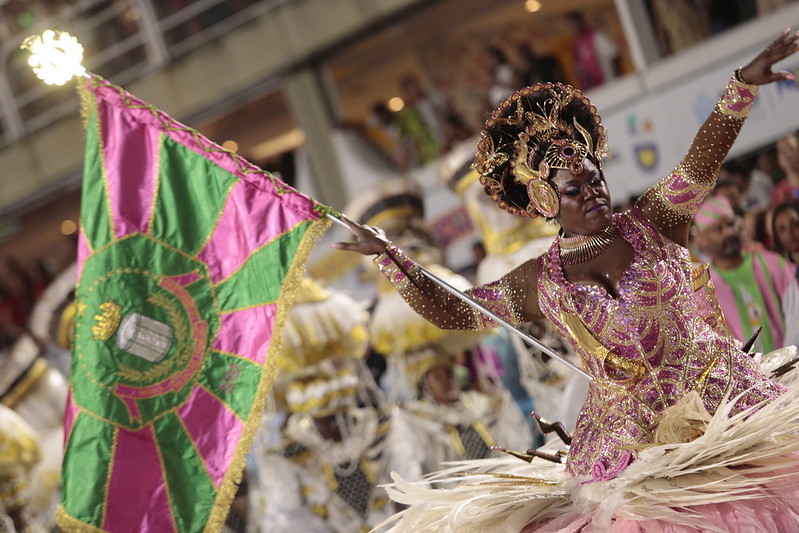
532 341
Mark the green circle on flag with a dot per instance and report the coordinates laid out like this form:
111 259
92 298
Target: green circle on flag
146 317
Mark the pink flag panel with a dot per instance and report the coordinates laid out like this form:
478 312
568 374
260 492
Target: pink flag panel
124 513
215 430
247 332
250 220
130 153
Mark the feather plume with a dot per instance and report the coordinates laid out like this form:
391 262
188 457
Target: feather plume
741 473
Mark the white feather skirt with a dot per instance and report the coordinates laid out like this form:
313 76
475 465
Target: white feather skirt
740 475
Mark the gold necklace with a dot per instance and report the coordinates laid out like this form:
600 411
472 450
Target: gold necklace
581 248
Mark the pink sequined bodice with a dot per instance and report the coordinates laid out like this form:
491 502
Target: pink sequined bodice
660 348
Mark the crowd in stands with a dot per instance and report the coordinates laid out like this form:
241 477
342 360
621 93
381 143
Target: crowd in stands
428 125
681 23
763 189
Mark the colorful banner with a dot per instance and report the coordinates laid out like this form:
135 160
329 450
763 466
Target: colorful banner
188 257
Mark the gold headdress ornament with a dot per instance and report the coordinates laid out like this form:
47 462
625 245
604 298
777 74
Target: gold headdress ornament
534 125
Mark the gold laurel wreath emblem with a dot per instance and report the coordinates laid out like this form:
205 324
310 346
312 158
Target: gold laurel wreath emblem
183 351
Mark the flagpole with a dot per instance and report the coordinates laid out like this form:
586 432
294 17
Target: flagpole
56 58
529 339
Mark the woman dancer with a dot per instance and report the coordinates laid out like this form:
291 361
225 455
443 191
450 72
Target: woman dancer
671 435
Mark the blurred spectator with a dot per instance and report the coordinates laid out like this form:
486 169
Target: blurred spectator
678 23
383 129
597 59
420 119
767 6
17 291
479 251
787 189
538 69
767 166
724 14
753 289
728 186
755 186
785 224
755 234
503 76
454 130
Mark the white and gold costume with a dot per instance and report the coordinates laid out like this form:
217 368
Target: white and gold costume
308 482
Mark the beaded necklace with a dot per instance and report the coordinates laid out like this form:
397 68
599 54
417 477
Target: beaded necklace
581 248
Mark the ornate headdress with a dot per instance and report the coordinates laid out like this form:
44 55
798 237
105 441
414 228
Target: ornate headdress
537 130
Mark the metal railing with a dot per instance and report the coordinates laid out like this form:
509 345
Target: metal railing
123 41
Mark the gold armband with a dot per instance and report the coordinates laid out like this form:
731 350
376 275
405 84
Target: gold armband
738 97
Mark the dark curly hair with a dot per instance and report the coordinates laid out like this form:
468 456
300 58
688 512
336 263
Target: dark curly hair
535 115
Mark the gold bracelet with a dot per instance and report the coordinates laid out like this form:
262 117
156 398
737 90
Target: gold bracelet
739 76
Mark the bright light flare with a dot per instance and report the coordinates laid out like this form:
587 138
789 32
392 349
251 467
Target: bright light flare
396 104
55 56
532 6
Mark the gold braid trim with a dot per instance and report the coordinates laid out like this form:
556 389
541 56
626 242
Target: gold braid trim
86 102
229 485
69 523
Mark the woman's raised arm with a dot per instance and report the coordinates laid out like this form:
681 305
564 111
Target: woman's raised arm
671 203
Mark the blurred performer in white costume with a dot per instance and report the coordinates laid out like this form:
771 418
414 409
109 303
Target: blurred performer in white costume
536 382
31 386
19 454
397 205
453 425
338 443
456 425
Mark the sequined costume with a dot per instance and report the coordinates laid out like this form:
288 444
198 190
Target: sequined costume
659 347
654 357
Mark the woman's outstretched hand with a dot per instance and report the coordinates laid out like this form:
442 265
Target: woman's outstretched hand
758 71
368 239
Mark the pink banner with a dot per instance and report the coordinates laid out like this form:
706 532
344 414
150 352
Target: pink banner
130 163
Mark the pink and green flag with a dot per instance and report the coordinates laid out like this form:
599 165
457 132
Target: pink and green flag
188 257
